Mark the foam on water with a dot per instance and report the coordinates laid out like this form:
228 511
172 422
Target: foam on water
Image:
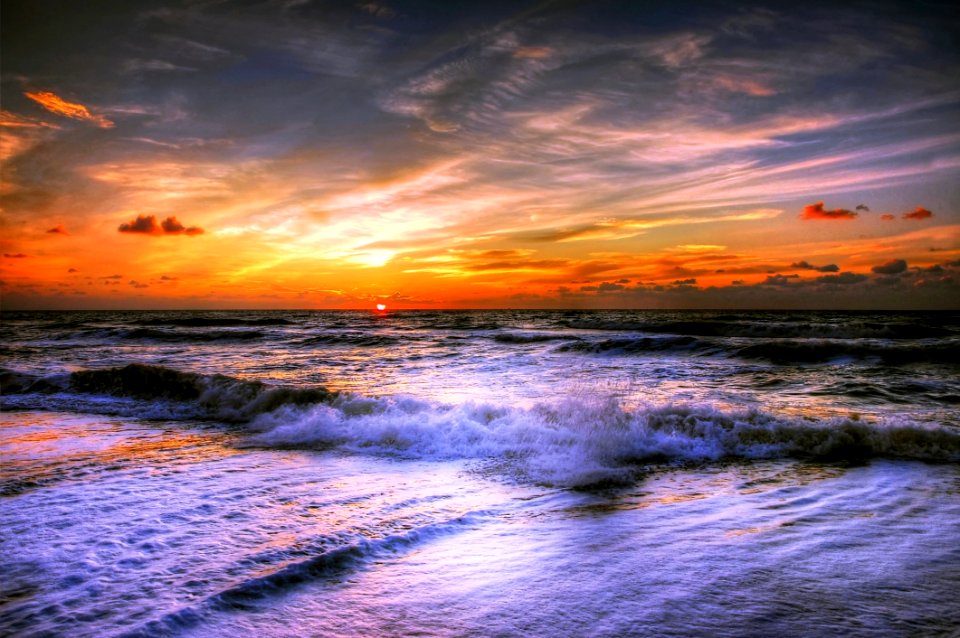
577 440
581 441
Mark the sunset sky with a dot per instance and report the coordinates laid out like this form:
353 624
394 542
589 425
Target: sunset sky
304 154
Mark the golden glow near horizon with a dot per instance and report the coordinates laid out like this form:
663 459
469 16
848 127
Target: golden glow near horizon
568 156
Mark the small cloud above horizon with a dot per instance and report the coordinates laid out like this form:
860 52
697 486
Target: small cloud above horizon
147 225
817 211
892 267
805 265
919 213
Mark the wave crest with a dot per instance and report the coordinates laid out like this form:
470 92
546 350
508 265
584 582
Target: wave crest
580 442
216 395
577 441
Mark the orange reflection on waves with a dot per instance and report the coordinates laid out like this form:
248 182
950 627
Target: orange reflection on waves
42 448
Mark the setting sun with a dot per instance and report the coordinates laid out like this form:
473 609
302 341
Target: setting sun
381 307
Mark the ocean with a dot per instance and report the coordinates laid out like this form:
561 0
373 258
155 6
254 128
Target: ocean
479 473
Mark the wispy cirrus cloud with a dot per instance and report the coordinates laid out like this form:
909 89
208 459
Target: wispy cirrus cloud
626 228
73 110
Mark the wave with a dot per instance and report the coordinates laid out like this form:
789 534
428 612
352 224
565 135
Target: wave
576 441
804 351
635 345
466 322
359 339
150 334
540 337
210 322
771 330
323 563
170 393
780 351
582 442
156 335
890 392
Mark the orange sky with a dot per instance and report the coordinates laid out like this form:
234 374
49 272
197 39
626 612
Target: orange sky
506 159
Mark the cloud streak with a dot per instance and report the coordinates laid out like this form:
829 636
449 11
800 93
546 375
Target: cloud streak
73 110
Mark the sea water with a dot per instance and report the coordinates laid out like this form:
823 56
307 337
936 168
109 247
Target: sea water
499 473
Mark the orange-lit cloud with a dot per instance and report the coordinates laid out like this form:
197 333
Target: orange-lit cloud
817 211
887 217
533 53
147 225
55 104
919 213
171 226
59 229
12 120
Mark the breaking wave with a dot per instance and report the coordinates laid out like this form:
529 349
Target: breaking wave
576 441
585 441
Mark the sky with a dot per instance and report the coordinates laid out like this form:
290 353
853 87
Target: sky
307 154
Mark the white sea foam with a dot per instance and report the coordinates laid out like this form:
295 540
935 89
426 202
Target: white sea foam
581 440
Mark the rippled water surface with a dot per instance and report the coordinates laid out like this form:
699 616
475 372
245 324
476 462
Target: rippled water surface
479 474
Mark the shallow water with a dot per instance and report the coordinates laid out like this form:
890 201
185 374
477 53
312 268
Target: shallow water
477 476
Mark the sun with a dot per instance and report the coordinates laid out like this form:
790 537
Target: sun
381 307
